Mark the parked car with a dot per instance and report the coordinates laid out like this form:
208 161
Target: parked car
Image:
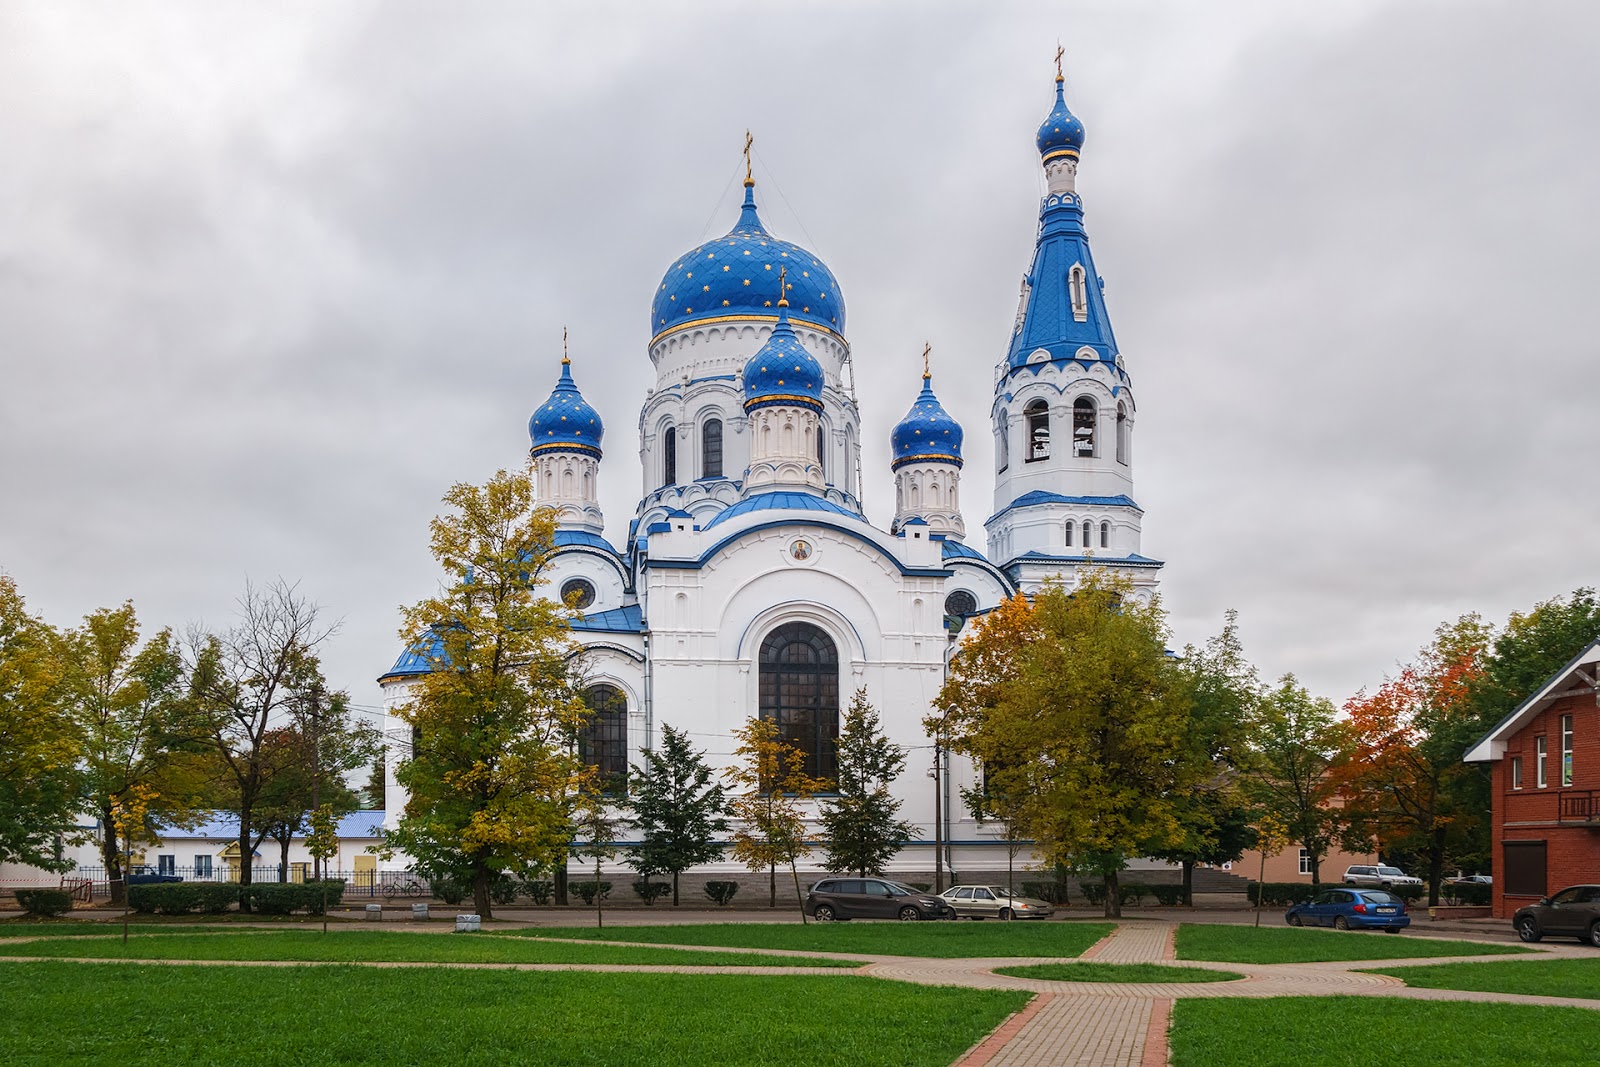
1573 912
994 902
150 876
1379 876
1351 909
872 898
1473 879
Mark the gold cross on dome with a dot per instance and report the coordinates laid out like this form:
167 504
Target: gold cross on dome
926 348
1059 53
564 357
783 287
748 141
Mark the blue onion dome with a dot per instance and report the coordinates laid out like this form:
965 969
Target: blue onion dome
1061 133
927 434
566 422
732 276
782 371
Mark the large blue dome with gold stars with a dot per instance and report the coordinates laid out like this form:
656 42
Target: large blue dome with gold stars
566 422
782 371
927 434
1061 133
736 276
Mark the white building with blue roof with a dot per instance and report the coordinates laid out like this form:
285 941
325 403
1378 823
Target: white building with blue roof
751 582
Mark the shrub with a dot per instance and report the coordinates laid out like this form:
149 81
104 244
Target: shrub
1170 895
1134 891
1410 893
503 890
923 887
589 889
1051 892
1281 894
650 892
721 892
285 898
447 890
1470 894
183 898
539 891
45 902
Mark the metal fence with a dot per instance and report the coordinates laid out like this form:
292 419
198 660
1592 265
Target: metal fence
356 883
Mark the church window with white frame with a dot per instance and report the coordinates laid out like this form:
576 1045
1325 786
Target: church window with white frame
1078 292
1084 415
1038 419
711 449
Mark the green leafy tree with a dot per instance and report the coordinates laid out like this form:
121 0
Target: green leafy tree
598 826
678 810
769 784
131 706
40 741
1296 742
860 828
493 770
375 794
1089 716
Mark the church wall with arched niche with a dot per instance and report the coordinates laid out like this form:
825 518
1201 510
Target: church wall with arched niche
596 584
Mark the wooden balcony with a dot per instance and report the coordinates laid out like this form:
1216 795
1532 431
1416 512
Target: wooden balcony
1579 806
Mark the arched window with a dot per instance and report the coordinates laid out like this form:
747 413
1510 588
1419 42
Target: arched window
1086 534
822 455
1122 433
603 739
800 692
1083 419
1070 527
669 456
1003 451
1105 535
711 449
1078 293
1038 420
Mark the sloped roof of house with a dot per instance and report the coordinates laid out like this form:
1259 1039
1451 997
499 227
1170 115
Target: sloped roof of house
1583 673
221 826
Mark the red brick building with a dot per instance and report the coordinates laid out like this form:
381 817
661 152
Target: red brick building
1545 760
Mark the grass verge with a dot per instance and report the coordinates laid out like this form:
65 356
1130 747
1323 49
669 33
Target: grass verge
1222 943
945 940
355 946
1141 973
77 928
1542 978
65 1013
1361 1031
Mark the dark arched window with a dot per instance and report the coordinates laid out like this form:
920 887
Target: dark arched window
822 453
1105 535
1083 419
800 692
603 740
1003 450
711 449
1122 433
1078 293
1070 526
1086 535
669 456
1038 420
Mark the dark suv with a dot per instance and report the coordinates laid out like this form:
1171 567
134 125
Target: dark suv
872 898
1573 912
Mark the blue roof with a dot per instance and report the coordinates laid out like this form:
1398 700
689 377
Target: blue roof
780 501
626 620
782 371
737 275
220 826
566 422
418 658
1061 132
956 550
1131 560
1039 496
584 539
927 434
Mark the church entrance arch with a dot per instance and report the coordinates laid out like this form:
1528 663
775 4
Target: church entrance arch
799 692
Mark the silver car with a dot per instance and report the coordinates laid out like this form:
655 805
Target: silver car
1379 876
994 902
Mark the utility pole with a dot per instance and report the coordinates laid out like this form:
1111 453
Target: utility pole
938 818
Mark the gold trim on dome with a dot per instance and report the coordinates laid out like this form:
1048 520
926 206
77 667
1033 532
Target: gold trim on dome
774 398
1061 153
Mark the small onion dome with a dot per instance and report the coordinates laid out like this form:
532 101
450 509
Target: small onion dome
782 371
566 422
730 277
927 434
1061 134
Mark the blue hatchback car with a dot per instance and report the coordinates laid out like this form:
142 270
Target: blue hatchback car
1352 909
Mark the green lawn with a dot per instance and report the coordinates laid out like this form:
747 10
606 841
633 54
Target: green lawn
1116 972
1222 943
942 940
76 928
164 1016
1545 978
351 946
1362 1031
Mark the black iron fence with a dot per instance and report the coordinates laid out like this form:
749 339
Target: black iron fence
363 883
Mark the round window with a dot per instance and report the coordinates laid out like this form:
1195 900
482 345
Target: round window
960 602
577 593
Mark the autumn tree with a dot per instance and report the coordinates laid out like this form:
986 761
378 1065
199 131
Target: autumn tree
598 826
861 828
40 742
492 770
769 784
1075 696
245 683
678 810
1400 782
130 703
1296 741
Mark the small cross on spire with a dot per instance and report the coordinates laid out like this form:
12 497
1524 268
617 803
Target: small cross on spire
1059 53
748 141
564 357
783 287
926 348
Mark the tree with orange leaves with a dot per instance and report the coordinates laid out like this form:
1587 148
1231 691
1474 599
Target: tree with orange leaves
1404 785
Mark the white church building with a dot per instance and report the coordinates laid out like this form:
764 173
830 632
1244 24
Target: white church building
751 583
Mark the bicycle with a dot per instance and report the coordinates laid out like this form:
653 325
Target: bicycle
409 888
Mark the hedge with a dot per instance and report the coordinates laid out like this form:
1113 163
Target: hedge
447 890
650 892
721 892
539 891
1050 892
283 898
1471 894
586 890
183 898
45 902
1282 894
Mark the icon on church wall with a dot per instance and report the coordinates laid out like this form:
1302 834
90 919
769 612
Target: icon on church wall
800 550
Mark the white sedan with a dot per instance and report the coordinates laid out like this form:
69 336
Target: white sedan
994 902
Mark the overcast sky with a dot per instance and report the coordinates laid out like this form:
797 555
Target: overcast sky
273 276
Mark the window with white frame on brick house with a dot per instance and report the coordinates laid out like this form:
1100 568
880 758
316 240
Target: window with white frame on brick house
1539 778
1305 861
1566 750
1516 772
